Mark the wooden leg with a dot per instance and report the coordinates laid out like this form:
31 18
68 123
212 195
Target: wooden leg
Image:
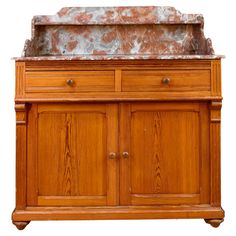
214 222
20 224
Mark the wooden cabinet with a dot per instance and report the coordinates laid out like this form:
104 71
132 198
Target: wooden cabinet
121 140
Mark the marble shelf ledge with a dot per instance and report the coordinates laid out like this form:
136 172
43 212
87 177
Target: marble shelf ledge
118 57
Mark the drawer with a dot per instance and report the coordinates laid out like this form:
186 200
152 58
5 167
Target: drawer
166 80
70 81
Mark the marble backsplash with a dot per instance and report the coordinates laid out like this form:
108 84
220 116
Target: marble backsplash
119 33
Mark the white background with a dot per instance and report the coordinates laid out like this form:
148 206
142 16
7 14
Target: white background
15 25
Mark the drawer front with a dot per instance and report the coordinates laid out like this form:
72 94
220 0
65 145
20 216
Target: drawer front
69 81
166 80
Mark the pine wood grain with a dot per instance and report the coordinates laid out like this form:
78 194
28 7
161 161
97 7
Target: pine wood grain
124 137
32 156
73 159
112 146
68 165
163 159
117 96
72 201
100 65
118 80
216 78
20 79
56 81
21 150
46 81
152 80
143 212
215 114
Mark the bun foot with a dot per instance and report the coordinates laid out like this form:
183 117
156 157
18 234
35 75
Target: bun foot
214 222
20 224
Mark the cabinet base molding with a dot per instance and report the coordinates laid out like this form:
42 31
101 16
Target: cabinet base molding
108 213
214 222
20 224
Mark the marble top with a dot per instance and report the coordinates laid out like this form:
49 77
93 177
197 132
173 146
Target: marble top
119 57
113 33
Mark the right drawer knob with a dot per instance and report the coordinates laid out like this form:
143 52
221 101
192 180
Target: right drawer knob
165 80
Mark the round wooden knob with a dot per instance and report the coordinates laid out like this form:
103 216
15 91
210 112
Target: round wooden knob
166 80
125 154
112 155
70 82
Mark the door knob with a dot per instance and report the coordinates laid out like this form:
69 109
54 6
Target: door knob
112 155
125 154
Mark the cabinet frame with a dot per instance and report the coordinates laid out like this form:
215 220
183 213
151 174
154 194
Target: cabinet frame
24 213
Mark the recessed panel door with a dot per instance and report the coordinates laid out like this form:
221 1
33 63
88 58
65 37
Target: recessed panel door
69 148
164 153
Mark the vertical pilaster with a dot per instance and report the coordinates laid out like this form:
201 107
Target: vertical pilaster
21 152
215 119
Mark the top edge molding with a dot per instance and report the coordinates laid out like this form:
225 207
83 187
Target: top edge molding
118 15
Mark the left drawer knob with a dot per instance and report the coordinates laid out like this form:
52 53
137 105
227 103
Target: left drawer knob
165 80
70 82
112 155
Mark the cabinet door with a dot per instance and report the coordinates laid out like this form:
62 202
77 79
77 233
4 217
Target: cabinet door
68 155
164 153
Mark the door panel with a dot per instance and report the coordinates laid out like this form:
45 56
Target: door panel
67 164
72 155
165 153
160 142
